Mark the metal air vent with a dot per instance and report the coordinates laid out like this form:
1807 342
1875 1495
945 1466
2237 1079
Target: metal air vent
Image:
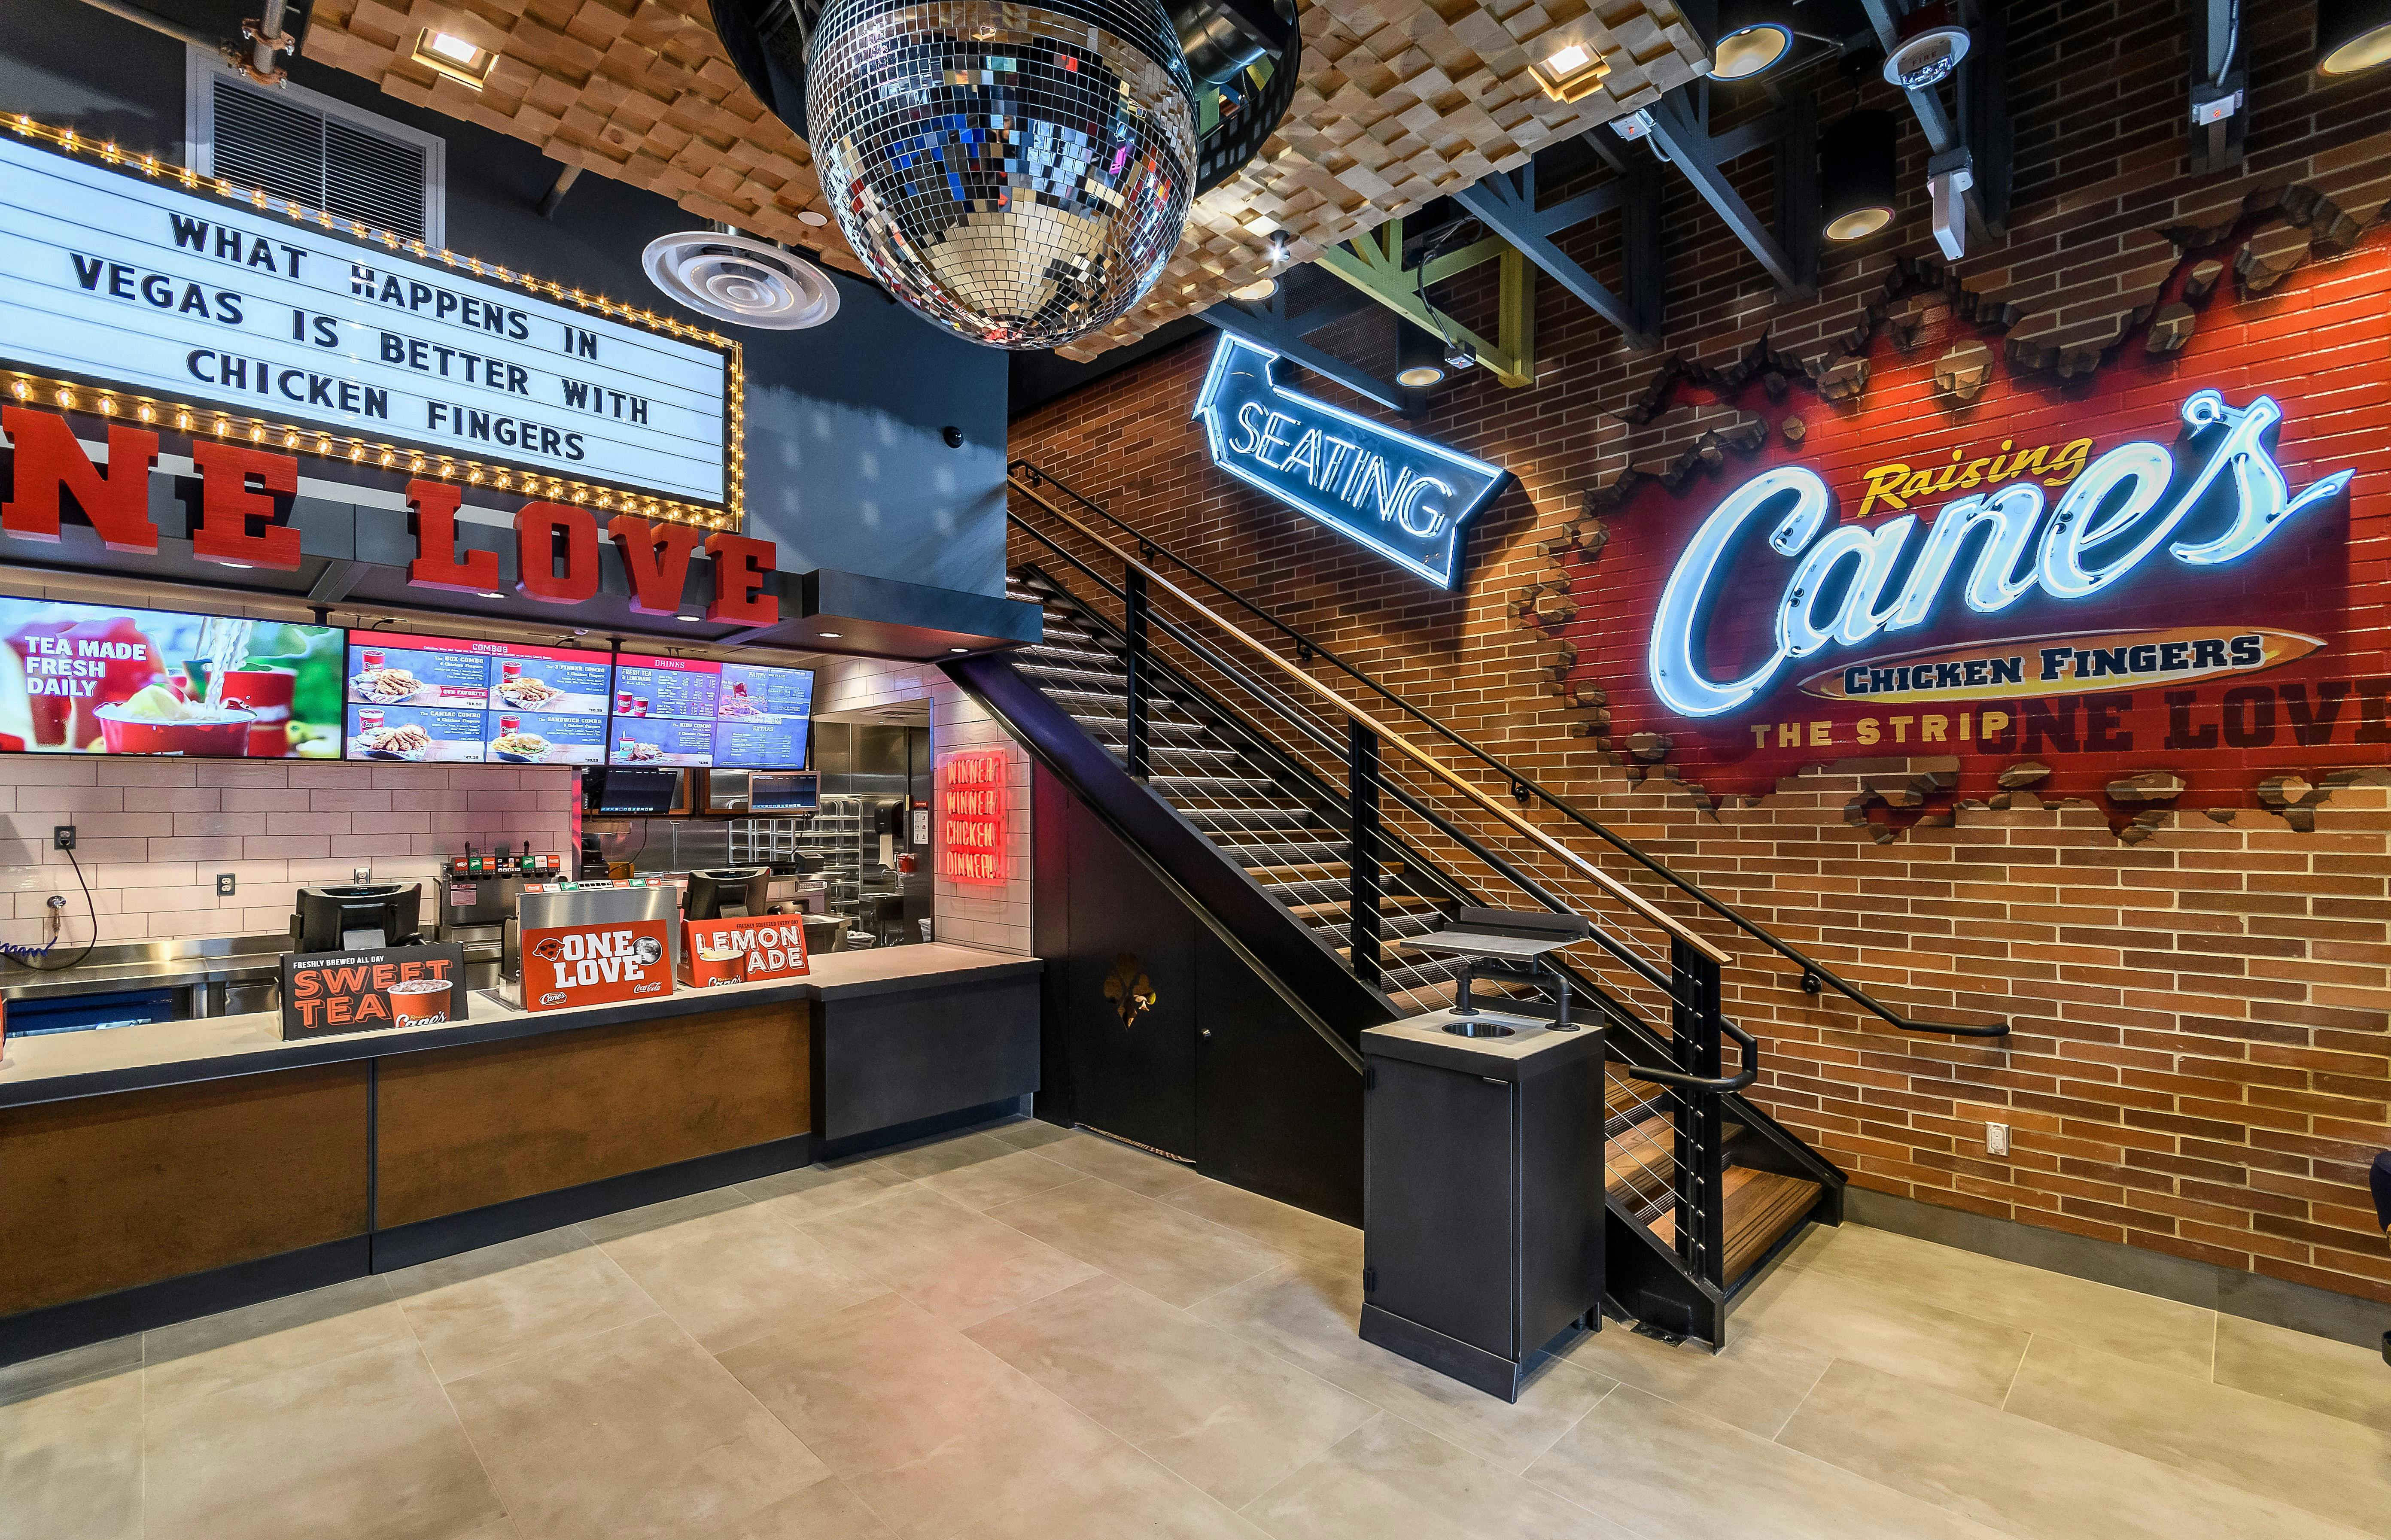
748 283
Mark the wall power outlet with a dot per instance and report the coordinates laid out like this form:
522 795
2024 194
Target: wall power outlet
1996 1139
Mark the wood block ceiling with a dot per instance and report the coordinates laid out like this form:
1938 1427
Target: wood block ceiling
1401 101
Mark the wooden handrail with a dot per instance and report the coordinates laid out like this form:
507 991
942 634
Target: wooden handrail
1642 906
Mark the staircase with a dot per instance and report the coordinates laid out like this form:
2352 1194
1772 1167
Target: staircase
1313 820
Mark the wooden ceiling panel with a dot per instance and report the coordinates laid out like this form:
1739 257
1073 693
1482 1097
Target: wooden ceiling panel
1401 101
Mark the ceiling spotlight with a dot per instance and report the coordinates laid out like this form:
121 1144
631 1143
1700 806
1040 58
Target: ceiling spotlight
958 649
691 618
492 595
449 54
812 217
1754 38
829 635
2352 35
1574 65
1419 376
1858 175
1927 59
1261 288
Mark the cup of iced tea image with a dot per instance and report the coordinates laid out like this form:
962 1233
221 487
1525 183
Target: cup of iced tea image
418 1002
718 964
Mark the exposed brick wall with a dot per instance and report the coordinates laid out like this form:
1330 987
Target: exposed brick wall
2200 1063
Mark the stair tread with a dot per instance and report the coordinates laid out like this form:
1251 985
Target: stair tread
1761 1206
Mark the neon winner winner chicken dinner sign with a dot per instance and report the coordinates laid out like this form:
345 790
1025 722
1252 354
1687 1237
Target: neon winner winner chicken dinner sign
2112 520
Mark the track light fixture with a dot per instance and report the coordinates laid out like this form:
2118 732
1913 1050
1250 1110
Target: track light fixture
1754 36
1858 175
2352 35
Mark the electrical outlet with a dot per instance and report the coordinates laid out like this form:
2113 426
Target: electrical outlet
62 837
1996 1139
224 884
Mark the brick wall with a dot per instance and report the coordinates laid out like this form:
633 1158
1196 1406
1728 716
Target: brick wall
2200 1063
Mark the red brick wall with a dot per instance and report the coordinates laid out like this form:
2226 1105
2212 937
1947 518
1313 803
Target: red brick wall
2201 1059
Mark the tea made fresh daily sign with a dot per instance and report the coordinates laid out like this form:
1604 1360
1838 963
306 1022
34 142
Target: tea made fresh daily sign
330 994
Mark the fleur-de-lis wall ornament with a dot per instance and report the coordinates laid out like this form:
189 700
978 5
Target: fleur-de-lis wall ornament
1132 992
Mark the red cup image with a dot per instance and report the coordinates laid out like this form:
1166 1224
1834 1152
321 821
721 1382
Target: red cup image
640 709
418 1002
373 660
266 692
368 717
623 700
509 724
226 738
509 671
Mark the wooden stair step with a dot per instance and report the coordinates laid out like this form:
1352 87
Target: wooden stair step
1761 1206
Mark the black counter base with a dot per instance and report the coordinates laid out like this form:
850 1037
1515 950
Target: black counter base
80 1322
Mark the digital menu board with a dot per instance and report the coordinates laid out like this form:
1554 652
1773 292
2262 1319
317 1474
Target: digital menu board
99 679
686 712
453 700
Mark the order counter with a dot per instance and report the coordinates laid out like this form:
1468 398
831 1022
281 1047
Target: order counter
154 1173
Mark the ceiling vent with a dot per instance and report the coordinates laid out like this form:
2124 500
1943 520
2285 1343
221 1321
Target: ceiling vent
748 283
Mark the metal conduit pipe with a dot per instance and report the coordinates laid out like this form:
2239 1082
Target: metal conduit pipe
157 24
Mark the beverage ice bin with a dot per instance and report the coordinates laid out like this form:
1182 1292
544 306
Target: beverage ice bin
587 903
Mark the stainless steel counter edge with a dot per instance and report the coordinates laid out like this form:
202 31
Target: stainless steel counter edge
1532 1051
938 966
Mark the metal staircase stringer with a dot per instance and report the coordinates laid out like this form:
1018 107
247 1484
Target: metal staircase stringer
1306 976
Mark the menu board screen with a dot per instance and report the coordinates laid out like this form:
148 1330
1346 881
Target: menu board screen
448 699
682 712
84 678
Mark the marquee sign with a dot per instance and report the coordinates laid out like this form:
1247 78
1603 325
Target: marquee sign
2162 566
213 308
1404 498
971 818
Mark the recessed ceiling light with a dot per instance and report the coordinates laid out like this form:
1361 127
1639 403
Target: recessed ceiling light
1569 61
243 565
460 59
958 649
1572 70
2352 35
494 596
1261 288
1419 376
810 216
689 618
829 635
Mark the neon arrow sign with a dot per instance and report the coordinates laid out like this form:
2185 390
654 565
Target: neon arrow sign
1841 592
1404 498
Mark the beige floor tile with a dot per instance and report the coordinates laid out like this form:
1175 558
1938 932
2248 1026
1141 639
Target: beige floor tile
1310 1315
1290 1231
1675 1474
1754 1383
1392 1480
960 1265
2022 1476
1118 1163
1016 1174
2338 1470
934 1157
1122 1493
483 1307
657 1216
1220 1411
1028 1132
927 1426
55 1371
2144 1327
1171 1255
70 1462
826 1510
218 1351
817 1192
1886 1328
364 1446
631 1432
2315 1372
731 1276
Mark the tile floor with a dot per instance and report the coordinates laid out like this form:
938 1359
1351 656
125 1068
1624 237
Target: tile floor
1022 1332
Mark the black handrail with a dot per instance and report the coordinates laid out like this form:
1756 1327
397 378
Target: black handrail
1811 969
1750 1072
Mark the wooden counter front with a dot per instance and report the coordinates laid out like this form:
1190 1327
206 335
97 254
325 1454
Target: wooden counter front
112 1192
464 1128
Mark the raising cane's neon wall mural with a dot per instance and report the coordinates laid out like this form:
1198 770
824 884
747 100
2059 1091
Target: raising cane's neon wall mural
2174 562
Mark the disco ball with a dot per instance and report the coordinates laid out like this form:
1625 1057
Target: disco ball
1018 174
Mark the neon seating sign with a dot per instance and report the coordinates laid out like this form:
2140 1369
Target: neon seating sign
1404 498
2112 520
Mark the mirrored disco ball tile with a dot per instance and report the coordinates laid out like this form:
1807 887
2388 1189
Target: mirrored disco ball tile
1019 174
